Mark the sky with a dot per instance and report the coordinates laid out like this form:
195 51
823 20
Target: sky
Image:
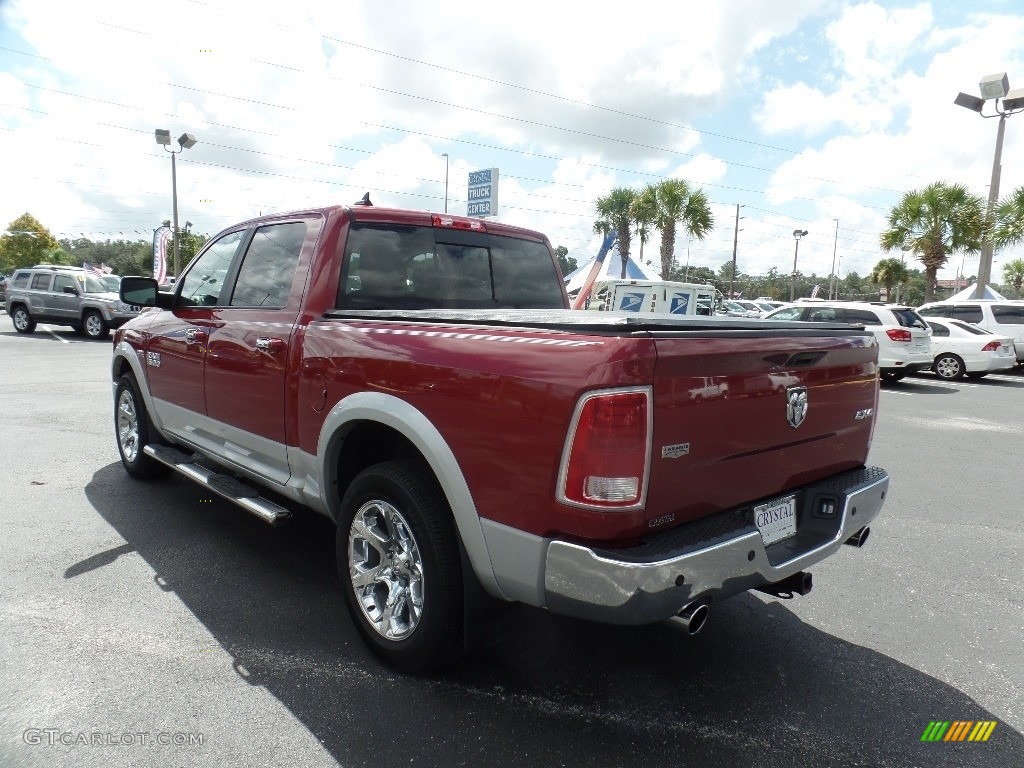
811 114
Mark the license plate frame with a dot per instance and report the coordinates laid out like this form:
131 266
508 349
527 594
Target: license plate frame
776 519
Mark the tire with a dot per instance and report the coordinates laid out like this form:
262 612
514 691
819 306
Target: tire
134 431
978 375
948 366
398 559
94 325
23 322
893 375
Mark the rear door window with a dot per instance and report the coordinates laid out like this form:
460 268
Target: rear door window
41 282
862 317
969 313
823 315
938 330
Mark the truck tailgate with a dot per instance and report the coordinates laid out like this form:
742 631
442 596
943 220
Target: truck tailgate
805 399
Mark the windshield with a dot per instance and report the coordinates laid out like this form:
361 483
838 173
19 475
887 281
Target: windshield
111 282
92 284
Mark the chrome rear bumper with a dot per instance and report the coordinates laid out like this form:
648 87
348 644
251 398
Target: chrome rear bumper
653 582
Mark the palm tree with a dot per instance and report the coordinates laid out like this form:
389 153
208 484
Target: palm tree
1009 220
644 212
1013 273
614 212
678 202
889 272
934 222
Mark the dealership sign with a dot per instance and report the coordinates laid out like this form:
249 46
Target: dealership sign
482 197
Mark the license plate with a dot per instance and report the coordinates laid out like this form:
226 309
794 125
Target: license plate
776 520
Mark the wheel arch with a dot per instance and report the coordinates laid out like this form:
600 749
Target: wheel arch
369 427
126 360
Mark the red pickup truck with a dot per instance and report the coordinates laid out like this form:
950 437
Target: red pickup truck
419 379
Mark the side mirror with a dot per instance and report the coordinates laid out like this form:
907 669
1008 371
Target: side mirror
71 289
144 292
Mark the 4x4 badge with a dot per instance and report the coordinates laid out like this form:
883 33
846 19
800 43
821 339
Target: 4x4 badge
796 406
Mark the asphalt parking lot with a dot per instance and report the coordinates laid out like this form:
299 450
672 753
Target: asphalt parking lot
148 624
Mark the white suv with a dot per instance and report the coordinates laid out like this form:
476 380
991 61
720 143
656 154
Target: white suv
1005 318
904 338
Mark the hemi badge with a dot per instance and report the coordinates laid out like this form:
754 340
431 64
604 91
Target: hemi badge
864 414
675 451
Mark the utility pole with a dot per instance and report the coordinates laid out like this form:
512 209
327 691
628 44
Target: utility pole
735 240
835 248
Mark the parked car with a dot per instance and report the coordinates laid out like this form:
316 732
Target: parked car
961 348
904 344
60 295
3 289
733 308
1001 317
768 305
751 306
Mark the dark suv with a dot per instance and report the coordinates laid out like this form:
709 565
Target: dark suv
61 295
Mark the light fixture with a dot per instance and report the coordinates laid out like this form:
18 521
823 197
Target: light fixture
185 141
997 89
797 234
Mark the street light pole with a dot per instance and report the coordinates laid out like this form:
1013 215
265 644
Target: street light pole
445 155
797 234
993 87
185 141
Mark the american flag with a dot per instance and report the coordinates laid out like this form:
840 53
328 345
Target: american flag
99 271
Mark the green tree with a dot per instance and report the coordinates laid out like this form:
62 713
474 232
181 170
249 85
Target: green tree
933 223
26 242
615 214
678 203
889 272
1009 220
566 264
1013 274
644 212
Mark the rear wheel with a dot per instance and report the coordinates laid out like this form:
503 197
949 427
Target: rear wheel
23 322
134 430
398 558
94 325
948 366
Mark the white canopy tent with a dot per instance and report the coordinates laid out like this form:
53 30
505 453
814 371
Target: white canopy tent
990 294
611 267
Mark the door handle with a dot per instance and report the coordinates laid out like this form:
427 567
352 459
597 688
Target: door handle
270 345
195 336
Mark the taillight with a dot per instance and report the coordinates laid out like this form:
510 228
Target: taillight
899 334
992 346
607 452
457 222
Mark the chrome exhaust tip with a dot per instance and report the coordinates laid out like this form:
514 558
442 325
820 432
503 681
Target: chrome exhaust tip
859 538
692 618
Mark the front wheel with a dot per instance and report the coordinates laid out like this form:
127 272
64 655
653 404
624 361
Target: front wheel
23 322
134 431
94 325
398 558
949 366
